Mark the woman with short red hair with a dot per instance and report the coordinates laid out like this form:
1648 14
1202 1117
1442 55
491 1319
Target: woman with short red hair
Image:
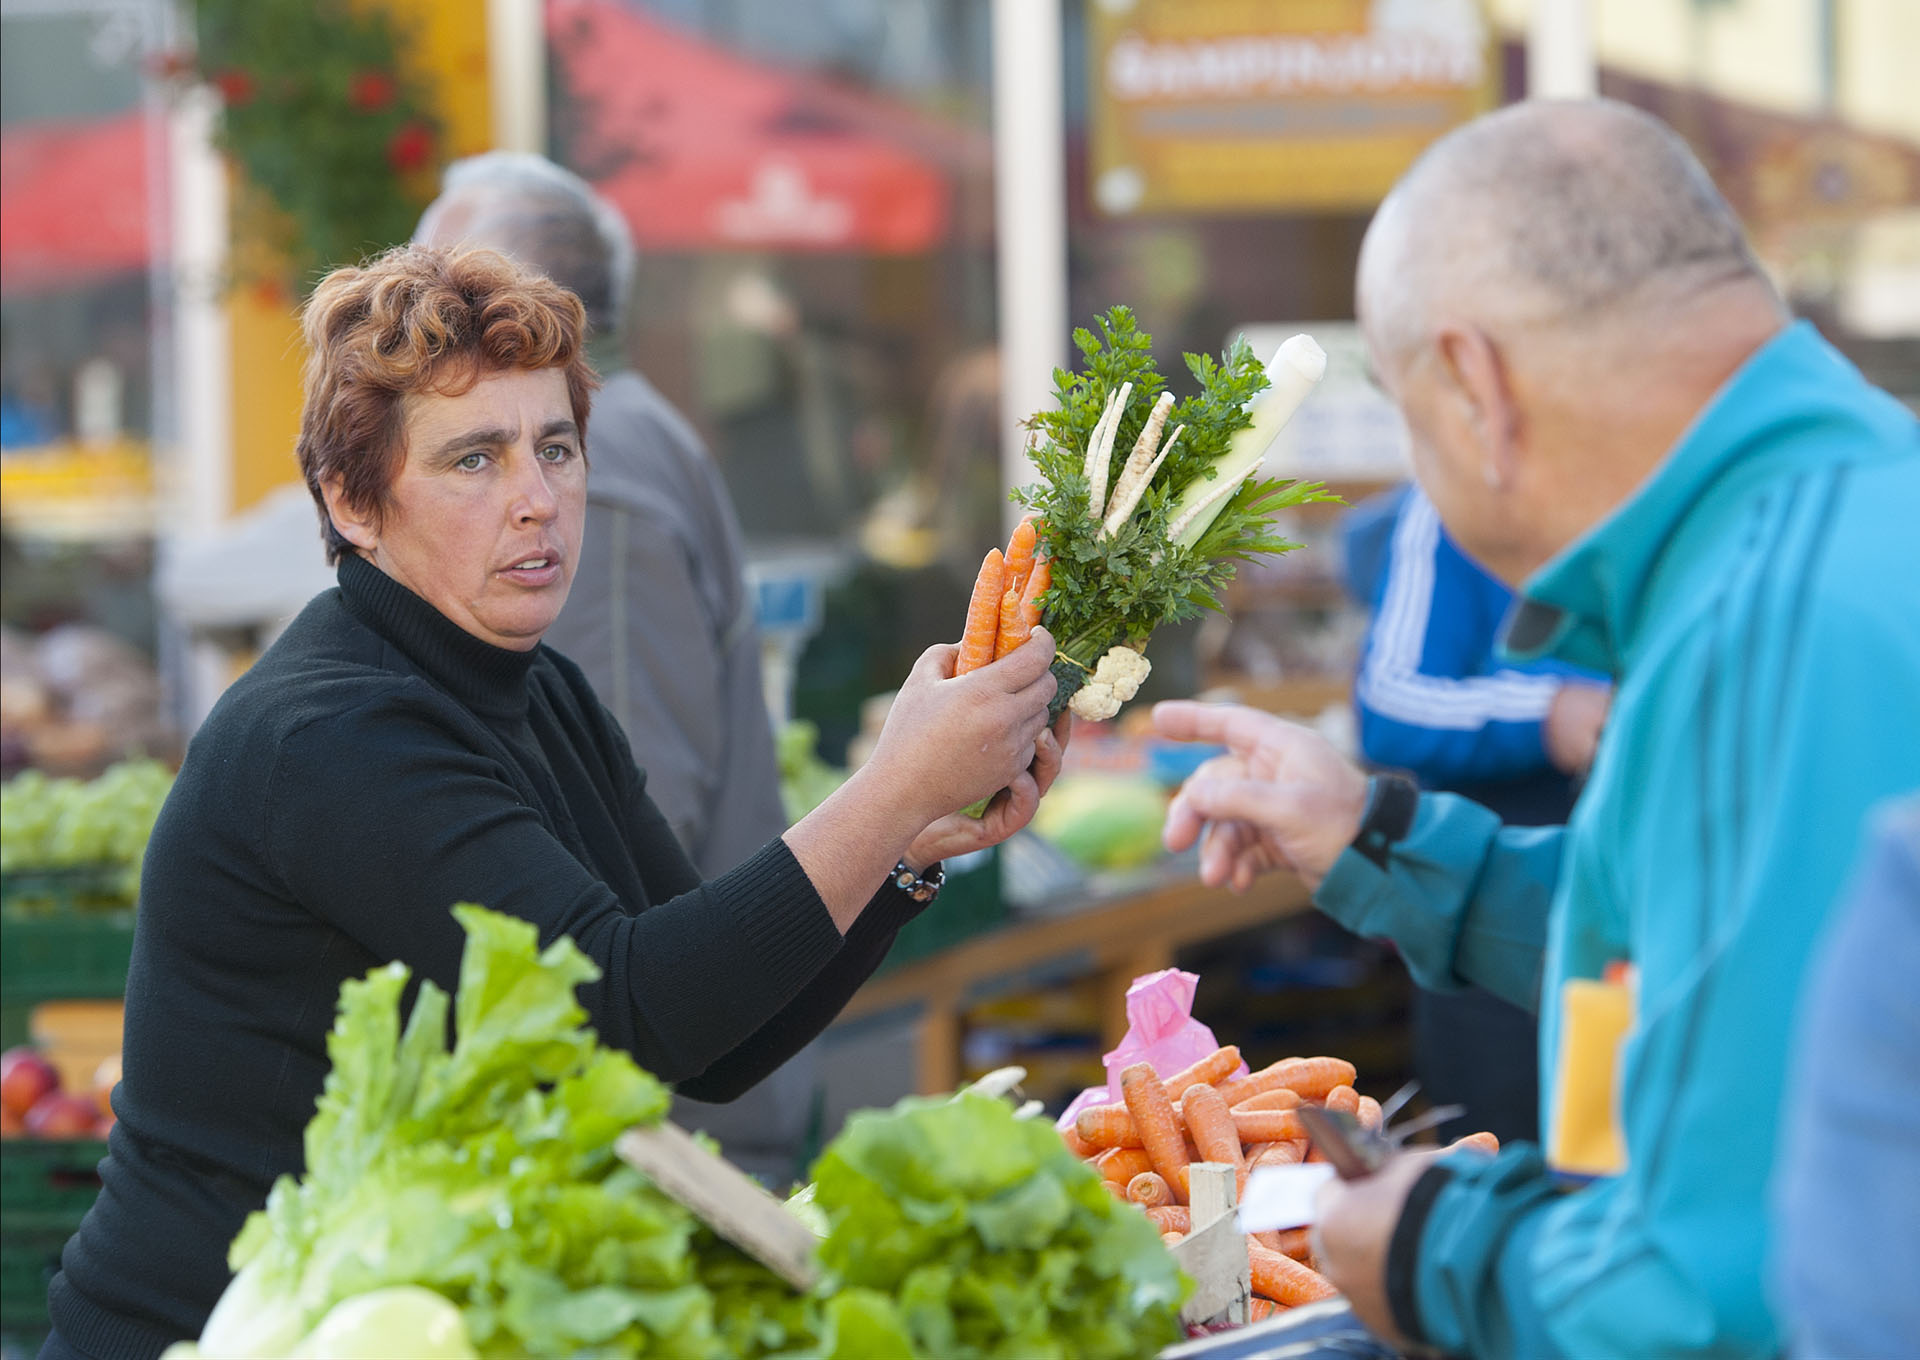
407 744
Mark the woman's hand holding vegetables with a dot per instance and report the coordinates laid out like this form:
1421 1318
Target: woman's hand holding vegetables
951 740
1282 796
948 741
1012 808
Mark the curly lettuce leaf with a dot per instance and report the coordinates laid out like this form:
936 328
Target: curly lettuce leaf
484 1172
976 1234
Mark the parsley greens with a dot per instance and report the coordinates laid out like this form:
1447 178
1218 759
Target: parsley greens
1113 591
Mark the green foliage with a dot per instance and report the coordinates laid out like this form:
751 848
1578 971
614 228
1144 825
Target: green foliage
68 823
1109 591
484 1172
806 781
959 1232
328 121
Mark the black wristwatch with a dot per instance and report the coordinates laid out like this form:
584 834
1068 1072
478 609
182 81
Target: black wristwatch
1392 800
923 886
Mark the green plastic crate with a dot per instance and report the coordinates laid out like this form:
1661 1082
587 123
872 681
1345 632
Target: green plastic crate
76 888
46 1188
28 1260
969 904
64 957
48 1184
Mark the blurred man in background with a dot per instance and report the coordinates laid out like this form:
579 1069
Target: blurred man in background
662 559
1613 412
1435 699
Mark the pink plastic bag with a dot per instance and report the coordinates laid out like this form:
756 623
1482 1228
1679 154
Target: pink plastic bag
1160 1030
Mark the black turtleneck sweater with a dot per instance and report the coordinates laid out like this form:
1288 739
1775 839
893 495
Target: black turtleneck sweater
376 766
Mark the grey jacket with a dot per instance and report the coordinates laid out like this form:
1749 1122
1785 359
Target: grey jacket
660 621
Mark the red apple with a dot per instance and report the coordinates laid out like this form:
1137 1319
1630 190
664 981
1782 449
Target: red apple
58 1115
10 1124
25 1077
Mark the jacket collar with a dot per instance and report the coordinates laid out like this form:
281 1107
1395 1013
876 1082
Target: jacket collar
1585 605
488 679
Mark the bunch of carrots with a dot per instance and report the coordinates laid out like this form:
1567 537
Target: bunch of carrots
1143 1146
1005 607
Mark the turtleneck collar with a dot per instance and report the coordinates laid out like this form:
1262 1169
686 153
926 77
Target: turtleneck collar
488 679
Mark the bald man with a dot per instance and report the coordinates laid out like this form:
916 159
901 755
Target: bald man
1695 495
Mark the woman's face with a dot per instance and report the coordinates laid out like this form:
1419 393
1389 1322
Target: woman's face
485 518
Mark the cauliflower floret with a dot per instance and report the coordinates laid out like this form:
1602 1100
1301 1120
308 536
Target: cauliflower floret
1116 678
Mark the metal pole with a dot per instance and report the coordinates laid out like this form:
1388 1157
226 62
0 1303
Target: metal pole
517 75
1560 61
1030 218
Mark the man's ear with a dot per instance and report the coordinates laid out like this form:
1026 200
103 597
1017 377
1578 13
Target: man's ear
359 527
1474 364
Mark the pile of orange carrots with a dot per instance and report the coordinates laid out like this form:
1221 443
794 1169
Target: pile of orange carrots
1143 1146
1005 607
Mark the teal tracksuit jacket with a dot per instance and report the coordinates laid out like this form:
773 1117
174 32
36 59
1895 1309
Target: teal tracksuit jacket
1757 601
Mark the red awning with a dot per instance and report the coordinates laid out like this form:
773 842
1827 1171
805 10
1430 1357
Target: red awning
73 201
703 149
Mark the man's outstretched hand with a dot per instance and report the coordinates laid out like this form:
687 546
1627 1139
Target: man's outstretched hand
1281 797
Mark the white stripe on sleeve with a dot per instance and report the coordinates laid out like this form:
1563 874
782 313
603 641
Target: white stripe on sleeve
1391 682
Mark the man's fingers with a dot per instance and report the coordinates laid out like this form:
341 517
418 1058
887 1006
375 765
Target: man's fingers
1239 728
1264 804
1219 849
1182 824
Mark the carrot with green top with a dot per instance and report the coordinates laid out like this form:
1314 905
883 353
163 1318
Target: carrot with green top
1019 617
983 615
1018 567
1019 558
1156 1124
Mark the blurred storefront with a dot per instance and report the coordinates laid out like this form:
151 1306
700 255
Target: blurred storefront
83 389
812 187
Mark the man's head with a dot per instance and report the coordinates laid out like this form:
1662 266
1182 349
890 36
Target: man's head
1550 294
544 216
